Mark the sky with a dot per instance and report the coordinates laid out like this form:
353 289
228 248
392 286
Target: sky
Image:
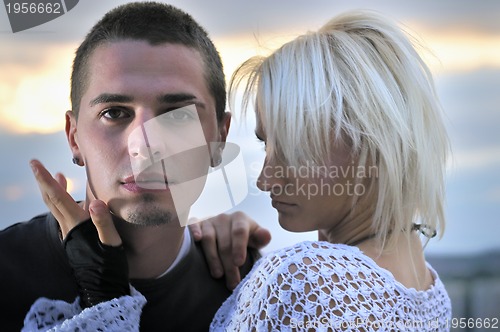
461 44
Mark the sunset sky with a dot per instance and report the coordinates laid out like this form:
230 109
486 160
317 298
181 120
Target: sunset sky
462 47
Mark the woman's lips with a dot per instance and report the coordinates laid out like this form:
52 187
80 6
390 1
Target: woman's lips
282 206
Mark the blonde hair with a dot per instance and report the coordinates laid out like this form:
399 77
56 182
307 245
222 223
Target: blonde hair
357 79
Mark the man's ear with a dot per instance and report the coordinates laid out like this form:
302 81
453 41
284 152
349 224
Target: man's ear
218 147
224 125
71 135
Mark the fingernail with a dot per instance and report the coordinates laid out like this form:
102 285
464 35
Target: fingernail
33 168
96 209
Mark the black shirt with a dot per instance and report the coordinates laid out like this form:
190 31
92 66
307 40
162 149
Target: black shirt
33 264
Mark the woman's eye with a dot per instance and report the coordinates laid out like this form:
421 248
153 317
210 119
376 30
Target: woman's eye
114 113
260 139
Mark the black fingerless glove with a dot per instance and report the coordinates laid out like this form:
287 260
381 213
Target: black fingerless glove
101 271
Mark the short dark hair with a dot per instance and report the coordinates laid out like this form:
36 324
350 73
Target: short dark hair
155 23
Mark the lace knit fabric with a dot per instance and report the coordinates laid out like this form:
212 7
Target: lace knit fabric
117 315
318 286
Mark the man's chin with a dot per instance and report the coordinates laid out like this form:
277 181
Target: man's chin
145 212
145 216
152 217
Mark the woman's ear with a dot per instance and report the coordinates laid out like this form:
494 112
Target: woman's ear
71 135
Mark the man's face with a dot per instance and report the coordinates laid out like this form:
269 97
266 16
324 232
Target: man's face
127 118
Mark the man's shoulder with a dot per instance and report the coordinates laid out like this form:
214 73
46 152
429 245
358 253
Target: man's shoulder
21 228
33 265
29 232
253 255
29 247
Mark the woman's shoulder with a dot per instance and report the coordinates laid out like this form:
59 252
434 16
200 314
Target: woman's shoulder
307 265
313 247
292 284
317 282
308 254
346 267
308 261
334 271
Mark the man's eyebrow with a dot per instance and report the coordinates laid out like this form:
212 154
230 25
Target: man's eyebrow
104 98
173 98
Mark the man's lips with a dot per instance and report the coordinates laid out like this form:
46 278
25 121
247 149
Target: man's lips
144 182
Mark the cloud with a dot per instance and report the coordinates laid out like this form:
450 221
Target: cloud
480 16
476 160
471 103
260 15
227 17
35 94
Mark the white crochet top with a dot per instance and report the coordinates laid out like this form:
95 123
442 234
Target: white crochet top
311 286
122 314
319 286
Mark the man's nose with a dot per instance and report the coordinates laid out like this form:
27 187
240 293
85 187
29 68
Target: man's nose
147 140
139 146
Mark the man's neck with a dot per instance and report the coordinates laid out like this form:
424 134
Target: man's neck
150 249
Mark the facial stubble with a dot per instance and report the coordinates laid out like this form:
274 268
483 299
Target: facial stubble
152 216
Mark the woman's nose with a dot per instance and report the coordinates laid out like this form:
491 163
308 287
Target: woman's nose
268 178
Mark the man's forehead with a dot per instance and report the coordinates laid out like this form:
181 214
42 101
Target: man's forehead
120 61
117 52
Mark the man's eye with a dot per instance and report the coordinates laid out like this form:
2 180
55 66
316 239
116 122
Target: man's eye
114 113
180 115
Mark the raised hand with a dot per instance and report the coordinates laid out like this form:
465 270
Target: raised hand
91 241
69 213
225 239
